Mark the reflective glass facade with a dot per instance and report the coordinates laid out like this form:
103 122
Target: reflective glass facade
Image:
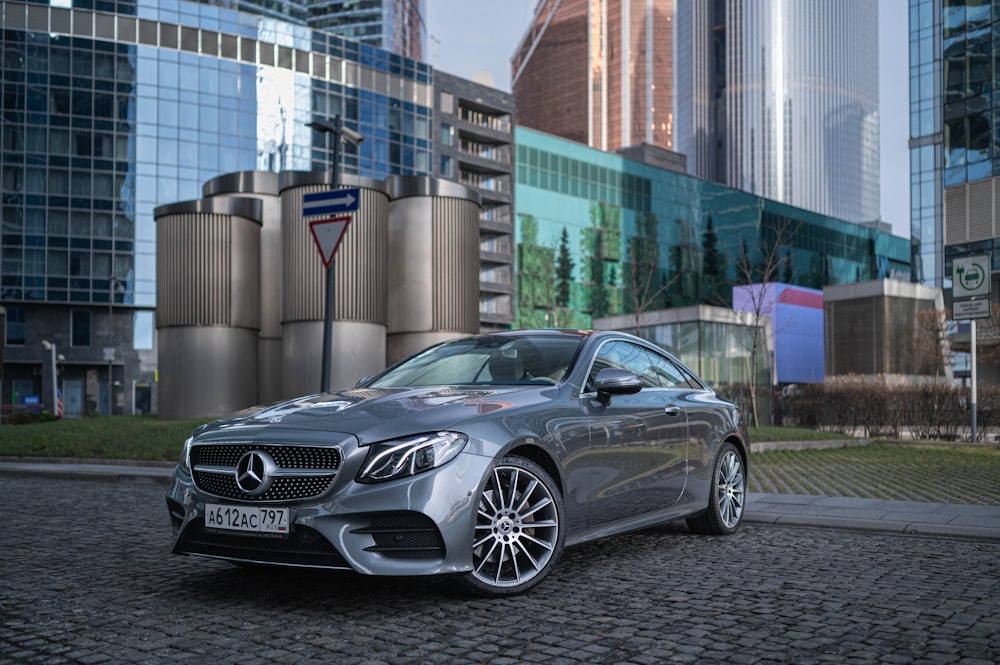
598 72
780 99
967 47
393 25
600 235
108 115
926 184
970 43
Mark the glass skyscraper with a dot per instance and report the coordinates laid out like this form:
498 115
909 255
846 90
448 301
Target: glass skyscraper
393 25
781 99
598 72
111 109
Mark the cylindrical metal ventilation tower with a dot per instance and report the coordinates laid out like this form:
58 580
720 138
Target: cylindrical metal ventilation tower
262 185
208 306
434 263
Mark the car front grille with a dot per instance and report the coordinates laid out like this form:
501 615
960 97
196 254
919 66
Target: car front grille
303 472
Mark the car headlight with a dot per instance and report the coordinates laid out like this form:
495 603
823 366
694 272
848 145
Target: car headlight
406 457
185 461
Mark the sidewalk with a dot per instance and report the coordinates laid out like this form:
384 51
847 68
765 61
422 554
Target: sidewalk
902 517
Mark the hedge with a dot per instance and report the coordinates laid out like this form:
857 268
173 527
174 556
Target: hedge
880 408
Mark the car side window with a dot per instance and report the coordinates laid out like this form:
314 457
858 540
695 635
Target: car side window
627 356
671 375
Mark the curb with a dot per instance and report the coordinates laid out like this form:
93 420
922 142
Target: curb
874 525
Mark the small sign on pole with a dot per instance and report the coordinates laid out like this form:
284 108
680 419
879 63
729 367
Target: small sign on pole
332 202
328 233
966 310
970 277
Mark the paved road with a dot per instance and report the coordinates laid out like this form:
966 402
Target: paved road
85 578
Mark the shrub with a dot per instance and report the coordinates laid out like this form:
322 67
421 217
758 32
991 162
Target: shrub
883 407
29 418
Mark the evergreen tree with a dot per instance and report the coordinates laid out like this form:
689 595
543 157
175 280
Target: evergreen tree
564 271
713 264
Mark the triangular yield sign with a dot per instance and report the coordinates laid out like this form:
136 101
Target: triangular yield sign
327 234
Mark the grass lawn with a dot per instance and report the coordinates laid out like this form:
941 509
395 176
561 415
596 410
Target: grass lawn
141 438
922 472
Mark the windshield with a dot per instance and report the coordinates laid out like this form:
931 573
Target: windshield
486 360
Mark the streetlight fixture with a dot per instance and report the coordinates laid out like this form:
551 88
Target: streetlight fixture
340 134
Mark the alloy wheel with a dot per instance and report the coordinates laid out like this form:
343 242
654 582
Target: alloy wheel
731 489
517 528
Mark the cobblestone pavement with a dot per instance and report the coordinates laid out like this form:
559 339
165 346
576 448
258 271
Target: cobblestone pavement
85 578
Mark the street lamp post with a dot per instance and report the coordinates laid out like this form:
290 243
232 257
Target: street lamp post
340 133
51 347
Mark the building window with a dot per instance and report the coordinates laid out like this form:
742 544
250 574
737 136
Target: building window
15 326
447 103
446 169
80 327
447 134
142 331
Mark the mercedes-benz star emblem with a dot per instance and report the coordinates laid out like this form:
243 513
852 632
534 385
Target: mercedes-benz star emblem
254 472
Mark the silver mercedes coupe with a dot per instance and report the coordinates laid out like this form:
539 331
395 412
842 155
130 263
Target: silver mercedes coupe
480 458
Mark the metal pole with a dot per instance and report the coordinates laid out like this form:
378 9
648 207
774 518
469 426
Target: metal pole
972 405
330 284
111 297
55 380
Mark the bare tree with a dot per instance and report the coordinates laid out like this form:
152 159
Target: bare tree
988 337
645 282
929 352
756 269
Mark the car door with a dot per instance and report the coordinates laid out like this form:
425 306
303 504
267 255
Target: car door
701 406
636 462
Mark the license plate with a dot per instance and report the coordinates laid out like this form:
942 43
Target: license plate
254 519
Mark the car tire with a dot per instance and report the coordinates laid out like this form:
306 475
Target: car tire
727 498
520 529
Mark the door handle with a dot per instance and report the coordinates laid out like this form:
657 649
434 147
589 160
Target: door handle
672 410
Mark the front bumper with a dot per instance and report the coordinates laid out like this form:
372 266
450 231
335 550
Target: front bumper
421 525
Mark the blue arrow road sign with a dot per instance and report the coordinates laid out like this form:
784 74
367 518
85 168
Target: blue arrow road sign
332 202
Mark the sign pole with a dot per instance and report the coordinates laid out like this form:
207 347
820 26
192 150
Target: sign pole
340 133
330 275
971 279
972 405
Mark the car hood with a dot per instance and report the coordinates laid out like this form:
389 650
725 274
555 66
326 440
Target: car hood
380 414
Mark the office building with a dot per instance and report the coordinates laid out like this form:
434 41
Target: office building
474 127
971 162
396 26
108 115
780 99
954 158
597 72
601 235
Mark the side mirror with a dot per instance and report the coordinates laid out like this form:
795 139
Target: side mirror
610 381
